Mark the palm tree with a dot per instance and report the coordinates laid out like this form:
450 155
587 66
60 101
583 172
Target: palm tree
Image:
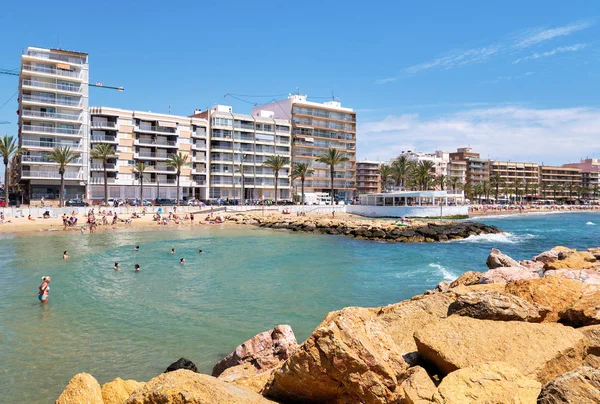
441 180
177 160
555 187
496 182
332 157
485 189
422 173
103 152
478 191
302 170
454 183
385 173
8 148
534 188
517 188
62 155
401 169
595 190
275 163
468 189
140 168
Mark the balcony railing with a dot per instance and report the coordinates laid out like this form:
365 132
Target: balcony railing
199 158
48 70
52 145
48 129
153 142
106 139
160 168
44 159
160 129
52 115
54 101
103 124
100 180
50 174
52 86
53 56
99 166
154 155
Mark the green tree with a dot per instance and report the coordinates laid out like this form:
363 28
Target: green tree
8 148
400 170
496 182
302 170
454 183
486 189
517 188
385 174
62 155
103 152
332 157
421 171
275 163
441 180
555 187
140 169
178 161
595 189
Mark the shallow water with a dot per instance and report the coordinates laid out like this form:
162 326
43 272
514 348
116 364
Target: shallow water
133 325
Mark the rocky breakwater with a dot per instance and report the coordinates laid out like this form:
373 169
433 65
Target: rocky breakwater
379 230
521 332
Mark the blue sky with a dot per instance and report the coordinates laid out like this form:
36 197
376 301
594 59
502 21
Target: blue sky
514 80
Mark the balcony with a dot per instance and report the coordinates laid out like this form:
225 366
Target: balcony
199 159
100 167
152 155
51 100
104 139
199 134
25 158
55 72
199 171
100 180
103 124
50 145
77 60
52 86
198 146
160 168
48 129
156 143
158 129
50 174
51 115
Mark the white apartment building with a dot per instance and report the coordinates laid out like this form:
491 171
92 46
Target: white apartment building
317 127
149 138
439 158
239 145
53 111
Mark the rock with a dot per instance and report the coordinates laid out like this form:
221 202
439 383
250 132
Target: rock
592 361
533 266
482 287
264 351
418 387
595 252
493 382
119 390
540 351
592 334
585 311
182 363
498 260
587 276
82 388
185 386
573 260
507 274
442 287
349 358
551 255
467 279
497 306
579 386
552 292
247 376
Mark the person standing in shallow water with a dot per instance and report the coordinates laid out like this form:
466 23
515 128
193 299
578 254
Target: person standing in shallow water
137 268
65 255
44 289
117 266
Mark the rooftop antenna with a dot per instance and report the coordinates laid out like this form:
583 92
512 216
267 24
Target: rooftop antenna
297 90
169 109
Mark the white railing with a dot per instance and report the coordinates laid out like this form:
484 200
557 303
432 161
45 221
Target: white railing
54 101
99 166
155 129
49 129
104 138
79 60
62 87
100 180
53 115
52 145
102 124
146 154
44 159
50 174
48 70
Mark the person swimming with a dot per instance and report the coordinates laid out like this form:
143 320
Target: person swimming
44 289
172 251
200 252
182 261
137 267
65 256
137 248
117 266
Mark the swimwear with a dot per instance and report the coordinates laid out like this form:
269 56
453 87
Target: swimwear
42 297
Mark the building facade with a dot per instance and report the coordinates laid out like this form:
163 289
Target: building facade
53 111
149 138
439 158
239 145
317 127
476 169
368 180
514 177
559 183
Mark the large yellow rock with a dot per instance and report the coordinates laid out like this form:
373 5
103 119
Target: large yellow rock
487 383
573 260
119 390
184 386
247 376
585 311
553 292
540 351
592 333
83 388
580 386
418 387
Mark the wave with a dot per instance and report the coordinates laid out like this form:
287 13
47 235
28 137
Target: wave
448 276
591 223
507 238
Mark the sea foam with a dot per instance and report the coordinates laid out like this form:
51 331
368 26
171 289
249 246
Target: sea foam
448 276
506 238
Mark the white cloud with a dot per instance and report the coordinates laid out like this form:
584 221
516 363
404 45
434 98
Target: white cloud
552 136
560 49
516 42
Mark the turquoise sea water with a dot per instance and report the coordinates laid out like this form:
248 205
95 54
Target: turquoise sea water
133 325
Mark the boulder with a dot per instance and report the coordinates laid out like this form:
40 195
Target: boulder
498 260
182 363
467 279
507 274
119 390
185 386
551 255
247 376
418 387
82 388
595 252
533 266
592 333
264 351
490 383
497 306
349 358
580 386
572 260
585 311
540 351
552 292
586 276
592 361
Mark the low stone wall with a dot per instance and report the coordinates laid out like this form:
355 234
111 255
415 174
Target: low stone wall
408 211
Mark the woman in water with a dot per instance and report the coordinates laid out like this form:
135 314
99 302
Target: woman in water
200 252
182 261
117 267
44 289
137 248
172 251
137 267
65 256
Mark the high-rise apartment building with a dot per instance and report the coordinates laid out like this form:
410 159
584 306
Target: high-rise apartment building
368 180
515 175
590 171
439 158
559 182
53 111
317 127
149 138
239 145
477 170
